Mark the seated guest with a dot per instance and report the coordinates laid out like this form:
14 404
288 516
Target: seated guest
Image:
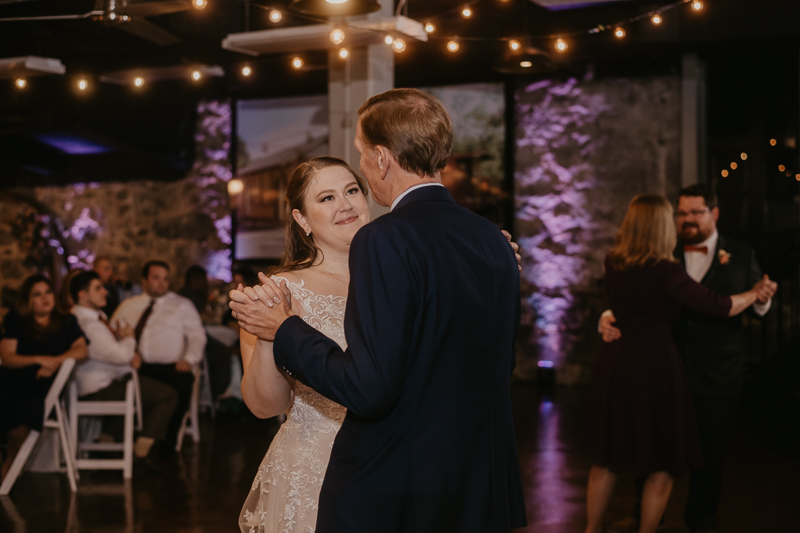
34 340
105 269
112 354
196 289
170 338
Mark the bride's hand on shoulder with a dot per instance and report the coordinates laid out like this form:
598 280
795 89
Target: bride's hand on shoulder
515 247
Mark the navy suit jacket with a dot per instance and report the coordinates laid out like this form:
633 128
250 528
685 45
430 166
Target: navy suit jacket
428 443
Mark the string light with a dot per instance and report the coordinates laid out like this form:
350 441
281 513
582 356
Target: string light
525 64
697 5
297 63
657 20
514 44
399 46
561 45
337 36
734 166
619 33
199 5
388 39
466 12
743 156
773 142
453 46
20 83
83 84
196 75
246 71
797 177
781 168
138 82
724 173
430 28
343 53
275 16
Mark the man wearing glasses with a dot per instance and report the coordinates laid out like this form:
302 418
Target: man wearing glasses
713 349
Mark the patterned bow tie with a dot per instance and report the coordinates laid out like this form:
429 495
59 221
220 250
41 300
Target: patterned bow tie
690 248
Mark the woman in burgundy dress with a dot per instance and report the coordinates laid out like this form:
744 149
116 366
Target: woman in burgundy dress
640 417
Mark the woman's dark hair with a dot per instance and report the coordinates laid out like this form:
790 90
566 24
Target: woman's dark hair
301 252
23 307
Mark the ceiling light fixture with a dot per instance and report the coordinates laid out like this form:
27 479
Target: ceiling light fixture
275 16
199 5
334 8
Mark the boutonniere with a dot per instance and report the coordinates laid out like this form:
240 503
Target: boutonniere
724 257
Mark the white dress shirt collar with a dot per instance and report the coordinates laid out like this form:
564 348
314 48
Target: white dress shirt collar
414 188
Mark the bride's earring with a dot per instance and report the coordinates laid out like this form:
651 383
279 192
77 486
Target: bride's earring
308 234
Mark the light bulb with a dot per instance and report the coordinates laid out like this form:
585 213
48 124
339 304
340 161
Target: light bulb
619 33
466 12
83 85
797 177
734 165
275 16
297 63
453 46
337 36
246 71
430 28
697 5
743 156
561 45
525 64
725 173
388 39
514 44
656 19
20 83
196 75
781 168
138 82
199 4
773 142
399 46
343 53
235 186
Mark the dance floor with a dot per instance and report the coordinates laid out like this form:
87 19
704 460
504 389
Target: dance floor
203 489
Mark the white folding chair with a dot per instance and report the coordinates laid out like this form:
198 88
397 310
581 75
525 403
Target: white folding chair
191 421
129 408
52 403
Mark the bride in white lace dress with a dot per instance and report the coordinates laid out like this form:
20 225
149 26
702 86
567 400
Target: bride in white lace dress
328 206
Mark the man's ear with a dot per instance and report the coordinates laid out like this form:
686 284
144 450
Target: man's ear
715 214
384 160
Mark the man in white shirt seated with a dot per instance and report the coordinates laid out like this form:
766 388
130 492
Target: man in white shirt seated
112 355
170 338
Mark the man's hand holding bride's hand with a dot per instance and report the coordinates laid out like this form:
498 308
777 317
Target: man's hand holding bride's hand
260 310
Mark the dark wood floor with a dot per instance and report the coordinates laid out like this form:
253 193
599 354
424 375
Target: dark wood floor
203 490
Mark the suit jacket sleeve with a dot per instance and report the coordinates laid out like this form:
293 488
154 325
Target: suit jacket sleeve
368 376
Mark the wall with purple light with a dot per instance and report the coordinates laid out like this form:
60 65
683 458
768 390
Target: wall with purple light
50 229
584 148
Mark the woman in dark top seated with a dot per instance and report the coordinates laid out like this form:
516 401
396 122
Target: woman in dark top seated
35 339
640 417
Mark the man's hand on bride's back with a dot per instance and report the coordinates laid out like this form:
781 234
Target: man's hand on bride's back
260 310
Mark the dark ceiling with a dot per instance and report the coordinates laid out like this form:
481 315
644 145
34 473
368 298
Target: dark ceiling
153 128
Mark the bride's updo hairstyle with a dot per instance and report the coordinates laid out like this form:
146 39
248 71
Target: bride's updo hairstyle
647 234
301 252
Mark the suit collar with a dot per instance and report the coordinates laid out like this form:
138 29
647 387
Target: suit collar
433 192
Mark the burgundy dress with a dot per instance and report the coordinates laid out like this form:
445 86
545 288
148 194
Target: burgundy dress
640 416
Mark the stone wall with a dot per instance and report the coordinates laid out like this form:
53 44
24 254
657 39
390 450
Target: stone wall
584 148
51 229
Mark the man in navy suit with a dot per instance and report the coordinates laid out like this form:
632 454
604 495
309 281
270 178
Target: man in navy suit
428 444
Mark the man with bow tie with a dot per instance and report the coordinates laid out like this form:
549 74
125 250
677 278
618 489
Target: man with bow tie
713 348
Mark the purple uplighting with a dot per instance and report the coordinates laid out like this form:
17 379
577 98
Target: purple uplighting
72 144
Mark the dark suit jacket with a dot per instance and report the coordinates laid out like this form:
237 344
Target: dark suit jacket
713 349
428 443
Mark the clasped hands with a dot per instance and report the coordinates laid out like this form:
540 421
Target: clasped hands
261 309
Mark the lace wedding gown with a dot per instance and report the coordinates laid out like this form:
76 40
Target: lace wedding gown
285 491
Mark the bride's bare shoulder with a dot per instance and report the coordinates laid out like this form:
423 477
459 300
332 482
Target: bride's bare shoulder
294 277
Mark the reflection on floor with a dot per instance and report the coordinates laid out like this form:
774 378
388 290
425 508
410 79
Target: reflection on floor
203 490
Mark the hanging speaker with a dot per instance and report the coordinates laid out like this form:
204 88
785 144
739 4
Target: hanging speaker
334 8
